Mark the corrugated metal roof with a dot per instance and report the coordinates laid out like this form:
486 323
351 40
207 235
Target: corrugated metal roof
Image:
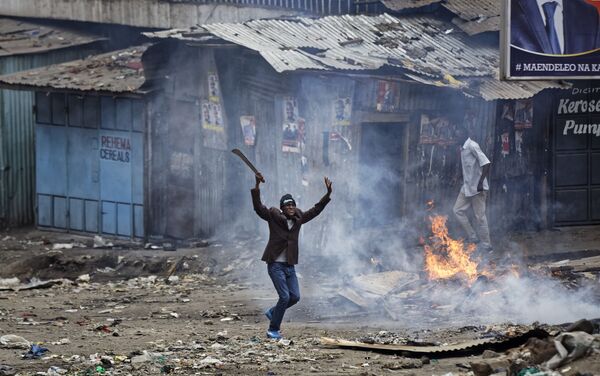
475 16
471 10
492 88
421 44
117 72
426 49
405 4
478 26
478 15
20 37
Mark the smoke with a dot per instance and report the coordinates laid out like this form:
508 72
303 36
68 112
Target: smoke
378 208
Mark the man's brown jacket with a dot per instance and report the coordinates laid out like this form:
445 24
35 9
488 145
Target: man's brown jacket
280 237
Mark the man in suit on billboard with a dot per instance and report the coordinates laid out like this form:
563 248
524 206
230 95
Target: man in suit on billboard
558 27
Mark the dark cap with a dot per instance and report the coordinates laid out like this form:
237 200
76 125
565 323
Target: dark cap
286 199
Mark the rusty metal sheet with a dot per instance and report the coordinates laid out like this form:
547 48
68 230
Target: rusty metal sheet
424 48
472 346
476 16
491 88
118 71
19 37
421 44
472 10
478 26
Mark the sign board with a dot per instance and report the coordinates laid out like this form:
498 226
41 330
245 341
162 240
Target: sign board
551 39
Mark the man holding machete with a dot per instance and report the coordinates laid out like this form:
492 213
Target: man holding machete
281 252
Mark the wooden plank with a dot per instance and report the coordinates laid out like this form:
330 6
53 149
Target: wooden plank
381 283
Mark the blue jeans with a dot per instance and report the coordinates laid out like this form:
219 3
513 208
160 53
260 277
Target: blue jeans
286 283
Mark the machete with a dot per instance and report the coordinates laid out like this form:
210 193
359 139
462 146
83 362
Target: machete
239 153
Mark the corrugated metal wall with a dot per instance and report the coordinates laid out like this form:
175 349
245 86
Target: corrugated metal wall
221 183
187 179
17 147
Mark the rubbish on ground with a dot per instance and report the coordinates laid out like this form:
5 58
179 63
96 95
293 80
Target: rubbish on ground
11 341
405 363
100 242
62 341
474 346
83 278
38 284
210 361
62 246
6 370
582 325
572 346
56 371
9 283
35 352
169 247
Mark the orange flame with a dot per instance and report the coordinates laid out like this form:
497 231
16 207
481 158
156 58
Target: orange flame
447 257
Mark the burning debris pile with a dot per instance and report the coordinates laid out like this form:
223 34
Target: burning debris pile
446 257
457 285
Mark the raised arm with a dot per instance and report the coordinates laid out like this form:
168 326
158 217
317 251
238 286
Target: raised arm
319 206
259 208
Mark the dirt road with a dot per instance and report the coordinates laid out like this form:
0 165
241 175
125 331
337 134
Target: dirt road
130 317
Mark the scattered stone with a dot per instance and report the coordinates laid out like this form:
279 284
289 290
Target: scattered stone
11 341
404 363
6 370
488 354
582 325
210 361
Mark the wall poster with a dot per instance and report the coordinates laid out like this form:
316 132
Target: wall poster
293 127
248 124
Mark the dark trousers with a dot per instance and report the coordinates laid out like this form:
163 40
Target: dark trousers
286 283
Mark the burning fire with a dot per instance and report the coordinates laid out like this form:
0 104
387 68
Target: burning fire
447 257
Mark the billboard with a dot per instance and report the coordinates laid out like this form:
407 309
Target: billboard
551 39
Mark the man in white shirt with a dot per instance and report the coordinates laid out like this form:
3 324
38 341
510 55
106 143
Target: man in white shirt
474 190
557 27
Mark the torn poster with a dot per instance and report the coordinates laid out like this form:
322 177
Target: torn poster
214 135
519 141
248 124
524 114
505 139
181 165
436 130
387 93
342 109
212 118
214 94
508 111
